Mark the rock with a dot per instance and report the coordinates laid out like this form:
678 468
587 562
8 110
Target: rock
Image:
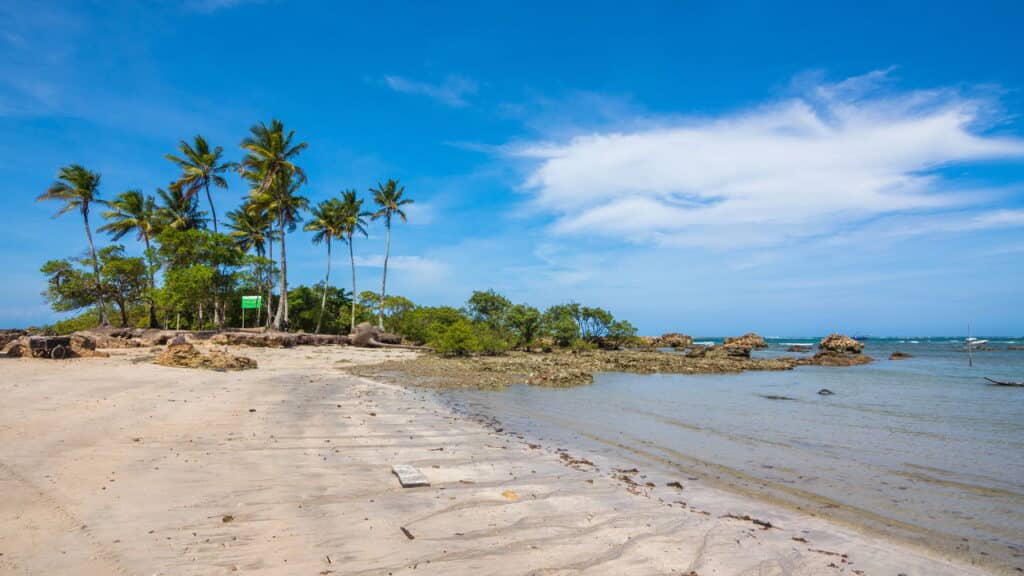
799 348
899 356
840 344
83 344
181 354
257 339
749 340
17 348
1015 347
673 340
825 358
825 392
7 336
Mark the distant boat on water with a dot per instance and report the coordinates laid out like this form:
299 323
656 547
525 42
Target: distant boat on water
973 342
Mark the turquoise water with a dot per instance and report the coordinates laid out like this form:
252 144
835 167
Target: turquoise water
922 448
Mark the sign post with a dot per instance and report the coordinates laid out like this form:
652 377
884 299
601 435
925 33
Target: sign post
249 303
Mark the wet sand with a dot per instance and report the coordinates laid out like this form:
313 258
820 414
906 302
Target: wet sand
118 466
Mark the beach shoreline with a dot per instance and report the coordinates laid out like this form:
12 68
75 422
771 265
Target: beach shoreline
116 466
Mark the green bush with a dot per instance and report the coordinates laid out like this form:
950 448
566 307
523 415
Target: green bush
455 339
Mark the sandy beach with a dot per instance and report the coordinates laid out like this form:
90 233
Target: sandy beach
117 466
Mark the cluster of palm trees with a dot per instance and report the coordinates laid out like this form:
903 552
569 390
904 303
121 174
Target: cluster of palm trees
272 207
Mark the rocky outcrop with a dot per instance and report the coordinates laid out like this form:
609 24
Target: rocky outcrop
78 345
838 350
182 354
7 336
840 344
673 340
713 352
799 348
899 356
749 340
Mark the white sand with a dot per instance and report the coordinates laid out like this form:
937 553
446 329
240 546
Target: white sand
114 467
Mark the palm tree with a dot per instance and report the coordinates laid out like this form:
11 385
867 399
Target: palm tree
200 167
388 198
179 211
269 165
252 228
78 187
326 224
353 220
130 212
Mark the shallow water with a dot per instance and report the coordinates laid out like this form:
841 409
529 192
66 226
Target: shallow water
921 448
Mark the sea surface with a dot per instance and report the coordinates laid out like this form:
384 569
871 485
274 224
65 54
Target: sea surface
922 449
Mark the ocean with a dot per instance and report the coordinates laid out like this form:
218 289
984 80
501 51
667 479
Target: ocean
922 449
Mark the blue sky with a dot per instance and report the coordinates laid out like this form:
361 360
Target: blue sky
709 168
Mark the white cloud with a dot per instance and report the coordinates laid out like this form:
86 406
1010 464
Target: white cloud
452 91
423 269
838 156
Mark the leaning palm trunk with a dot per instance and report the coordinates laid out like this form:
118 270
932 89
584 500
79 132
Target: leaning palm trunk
384 280
352 261
327 279
270 281
96 272
213 211
282 307
152 287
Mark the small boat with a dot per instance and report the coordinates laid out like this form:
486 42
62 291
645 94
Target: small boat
973 342
1004 383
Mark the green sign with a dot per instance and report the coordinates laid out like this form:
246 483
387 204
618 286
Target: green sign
251 302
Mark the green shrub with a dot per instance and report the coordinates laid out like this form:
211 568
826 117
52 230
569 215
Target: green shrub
455 339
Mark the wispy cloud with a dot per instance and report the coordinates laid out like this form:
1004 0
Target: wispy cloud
421 268
452 91
838 156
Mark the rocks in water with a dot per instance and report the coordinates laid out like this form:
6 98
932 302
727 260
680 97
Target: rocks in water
840 344
825 392
749 340
776 397
181 354
799 348
838 350
1015 347
899 356
673 340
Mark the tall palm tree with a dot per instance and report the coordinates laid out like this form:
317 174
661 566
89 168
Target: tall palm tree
132 211
326 224
252 227
179 211
353 220
78 187
200 167
389 201
269 165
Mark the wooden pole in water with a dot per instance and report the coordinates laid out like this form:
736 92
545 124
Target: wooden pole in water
970 347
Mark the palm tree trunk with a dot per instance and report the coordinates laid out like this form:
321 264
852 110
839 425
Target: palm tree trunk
352 260
327 279
270 282
282 307
95 270
384 279
213 211
152 286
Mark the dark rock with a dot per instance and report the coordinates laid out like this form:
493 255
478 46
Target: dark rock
825 392
899 356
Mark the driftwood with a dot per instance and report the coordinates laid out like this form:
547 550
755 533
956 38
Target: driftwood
1002 383
369 336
